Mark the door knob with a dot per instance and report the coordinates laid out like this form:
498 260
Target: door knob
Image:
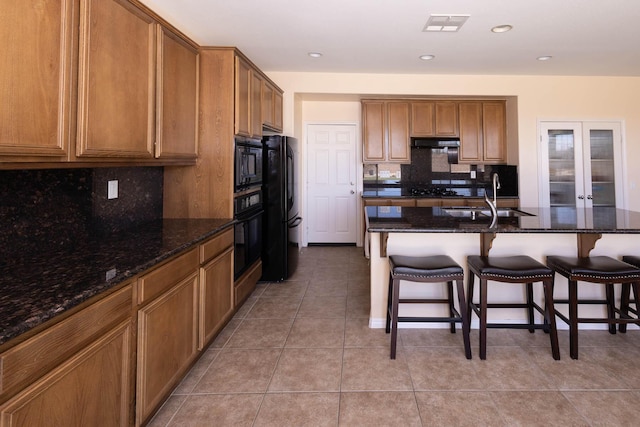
353 192
581 197
590 197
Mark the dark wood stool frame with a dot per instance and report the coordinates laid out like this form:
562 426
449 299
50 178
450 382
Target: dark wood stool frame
549 324
608 280
455 316
624 295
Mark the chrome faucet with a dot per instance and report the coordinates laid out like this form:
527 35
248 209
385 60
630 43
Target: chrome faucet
493 204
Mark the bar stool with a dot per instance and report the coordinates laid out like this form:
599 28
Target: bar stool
598 269
430 269
624 296
512 269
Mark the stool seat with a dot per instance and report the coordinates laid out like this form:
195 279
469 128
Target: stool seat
631 259
427 269
432 267
596 268
602 270
519 267
512 269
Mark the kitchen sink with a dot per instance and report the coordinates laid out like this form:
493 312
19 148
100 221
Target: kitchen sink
473 212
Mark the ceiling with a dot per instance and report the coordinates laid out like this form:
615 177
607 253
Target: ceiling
584 37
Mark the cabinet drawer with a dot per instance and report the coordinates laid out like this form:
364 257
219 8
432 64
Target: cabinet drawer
216 245
31 359
162 278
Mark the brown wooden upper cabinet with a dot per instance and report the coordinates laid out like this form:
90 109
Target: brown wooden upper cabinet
386 131
248 100
39 40
482 132
434 119
271 107
116 80
177 92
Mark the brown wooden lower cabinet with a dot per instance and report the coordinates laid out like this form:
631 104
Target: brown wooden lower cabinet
167 332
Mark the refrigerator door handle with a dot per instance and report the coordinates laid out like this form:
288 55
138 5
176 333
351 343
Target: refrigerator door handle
294 222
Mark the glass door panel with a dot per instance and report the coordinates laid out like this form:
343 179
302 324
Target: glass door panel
602 175
562 171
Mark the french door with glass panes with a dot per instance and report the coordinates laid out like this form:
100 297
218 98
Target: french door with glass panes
581 164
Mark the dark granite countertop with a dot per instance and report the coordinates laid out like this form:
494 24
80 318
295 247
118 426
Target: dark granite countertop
540 220
36 287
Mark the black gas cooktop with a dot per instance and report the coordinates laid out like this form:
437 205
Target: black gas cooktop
432 191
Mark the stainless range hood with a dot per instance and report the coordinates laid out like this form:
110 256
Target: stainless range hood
449 145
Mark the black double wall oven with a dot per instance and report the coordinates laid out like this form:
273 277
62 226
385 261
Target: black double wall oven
248 207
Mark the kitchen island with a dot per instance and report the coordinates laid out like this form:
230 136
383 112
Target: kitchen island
459 232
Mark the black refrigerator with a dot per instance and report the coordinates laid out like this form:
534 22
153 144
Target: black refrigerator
281 221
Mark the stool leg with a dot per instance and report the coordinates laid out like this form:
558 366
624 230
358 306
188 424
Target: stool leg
573 319
550 317
624 305
530 305
465 318
452 325
389 301
483 318
394 316
611 314
636 289
470 286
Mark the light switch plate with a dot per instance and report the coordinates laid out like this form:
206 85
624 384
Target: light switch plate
112 190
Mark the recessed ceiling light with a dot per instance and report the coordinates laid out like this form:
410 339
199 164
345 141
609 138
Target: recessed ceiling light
315 54
445 22
501 28
544 58
427 57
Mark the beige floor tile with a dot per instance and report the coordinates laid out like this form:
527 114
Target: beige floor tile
371 369
299 409
317 333
458 408
239 371
289 288
197 371
226 333
417 337
167 411
619 362
380 409
511 368
274 308
308 369
246 307
586 373
606 408
233 410
358 306
323 307
441 368
536 408
320 287
359 334
260 333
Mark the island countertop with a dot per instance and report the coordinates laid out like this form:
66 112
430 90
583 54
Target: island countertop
35 287
396 219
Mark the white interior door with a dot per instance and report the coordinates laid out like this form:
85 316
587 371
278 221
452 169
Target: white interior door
331 184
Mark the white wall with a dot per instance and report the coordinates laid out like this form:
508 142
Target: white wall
334 97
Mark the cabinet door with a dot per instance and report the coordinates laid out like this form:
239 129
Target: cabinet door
267 104
256 105
494 133
373 125
92 388
36 74
216 295
422 119
243 98
277 111
177 103
470 132
167 343
116 81
446 119
398 132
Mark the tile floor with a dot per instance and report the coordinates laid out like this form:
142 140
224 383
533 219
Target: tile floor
300 353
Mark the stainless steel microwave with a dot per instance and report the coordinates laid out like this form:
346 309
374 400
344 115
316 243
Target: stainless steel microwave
248 163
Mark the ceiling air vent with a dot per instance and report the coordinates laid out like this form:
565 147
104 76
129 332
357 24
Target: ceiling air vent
445 22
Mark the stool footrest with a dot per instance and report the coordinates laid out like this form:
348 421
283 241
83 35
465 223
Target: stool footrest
518 326
423 301
429 319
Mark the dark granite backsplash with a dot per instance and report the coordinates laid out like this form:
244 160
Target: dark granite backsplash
57 207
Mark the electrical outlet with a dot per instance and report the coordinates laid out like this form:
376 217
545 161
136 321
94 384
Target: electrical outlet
473 174
112 190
